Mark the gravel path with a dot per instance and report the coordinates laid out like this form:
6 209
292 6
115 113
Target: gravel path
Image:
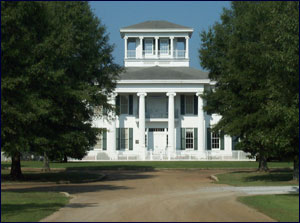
172 196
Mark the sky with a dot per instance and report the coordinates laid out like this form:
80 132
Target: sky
199 15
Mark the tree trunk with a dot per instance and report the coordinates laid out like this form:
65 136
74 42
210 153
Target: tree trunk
46 166
15 170
296 169
65 158
263 166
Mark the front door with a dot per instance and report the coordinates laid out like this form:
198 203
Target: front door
157 140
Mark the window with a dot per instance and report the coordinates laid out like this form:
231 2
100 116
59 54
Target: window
189 104
148 46
189 138
164 46
215 140
156 129
99 143
124 104
124 138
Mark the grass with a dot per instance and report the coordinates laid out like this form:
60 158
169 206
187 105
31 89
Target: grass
278 177
65 176
150 164
283 207
29 206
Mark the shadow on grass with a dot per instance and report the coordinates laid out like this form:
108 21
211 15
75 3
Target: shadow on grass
71 189
78 176
278 170
271 177
113 167
11 209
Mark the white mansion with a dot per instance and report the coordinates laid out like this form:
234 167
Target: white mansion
158 98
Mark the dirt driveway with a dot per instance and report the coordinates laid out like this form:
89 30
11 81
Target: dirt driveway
168 195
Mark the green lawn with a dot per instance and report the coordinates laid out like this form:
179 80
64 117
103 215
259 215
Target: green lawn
283 207
29 206
152 164
252 178
61 176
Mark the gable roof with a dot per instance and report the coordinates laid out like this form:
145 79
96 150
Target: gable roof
156 24
162 73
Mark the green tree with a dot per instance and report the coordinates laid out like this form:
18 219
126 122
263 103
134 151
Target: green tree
73 75
281 41
237 56
22 28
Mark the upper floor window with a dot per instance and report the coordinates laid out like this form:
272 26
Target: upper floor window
124 104
189 104
164 46
148 46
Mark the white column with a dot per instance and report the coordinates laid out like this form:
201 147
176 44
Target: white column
172 46
171 123
111 148
142 118
125 47
141 47
187 47
201 125
156 46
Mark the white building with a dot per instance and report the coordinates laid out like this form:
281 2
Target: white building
158 98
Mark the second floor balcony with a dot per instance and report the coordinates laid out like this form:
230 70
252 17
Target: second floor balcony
149 54
156 47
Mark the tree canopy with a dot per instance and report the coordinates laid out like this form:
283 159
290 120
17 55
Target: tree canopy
57 67
253 55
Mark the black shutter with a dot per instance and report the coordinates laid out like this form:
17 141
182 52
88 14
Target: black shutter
182 138
222 140
130 104
104 139
234 141
195 139
118 139
130 138
182 103
118 105
208 139
195 105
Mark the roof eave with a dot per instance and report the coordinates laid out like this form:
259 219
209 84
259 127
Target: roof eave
197 81
123 31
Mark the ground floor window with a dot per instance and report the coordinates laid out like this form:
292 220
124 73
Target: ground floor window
189 138
124 138
215 140
101 142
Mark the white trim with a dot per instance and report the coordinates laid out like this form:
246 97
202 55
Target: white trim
155 30
204 81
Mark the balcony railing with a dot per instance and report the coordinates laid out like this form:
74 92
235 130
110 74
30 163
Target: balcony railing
131 53
177 54
160 115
